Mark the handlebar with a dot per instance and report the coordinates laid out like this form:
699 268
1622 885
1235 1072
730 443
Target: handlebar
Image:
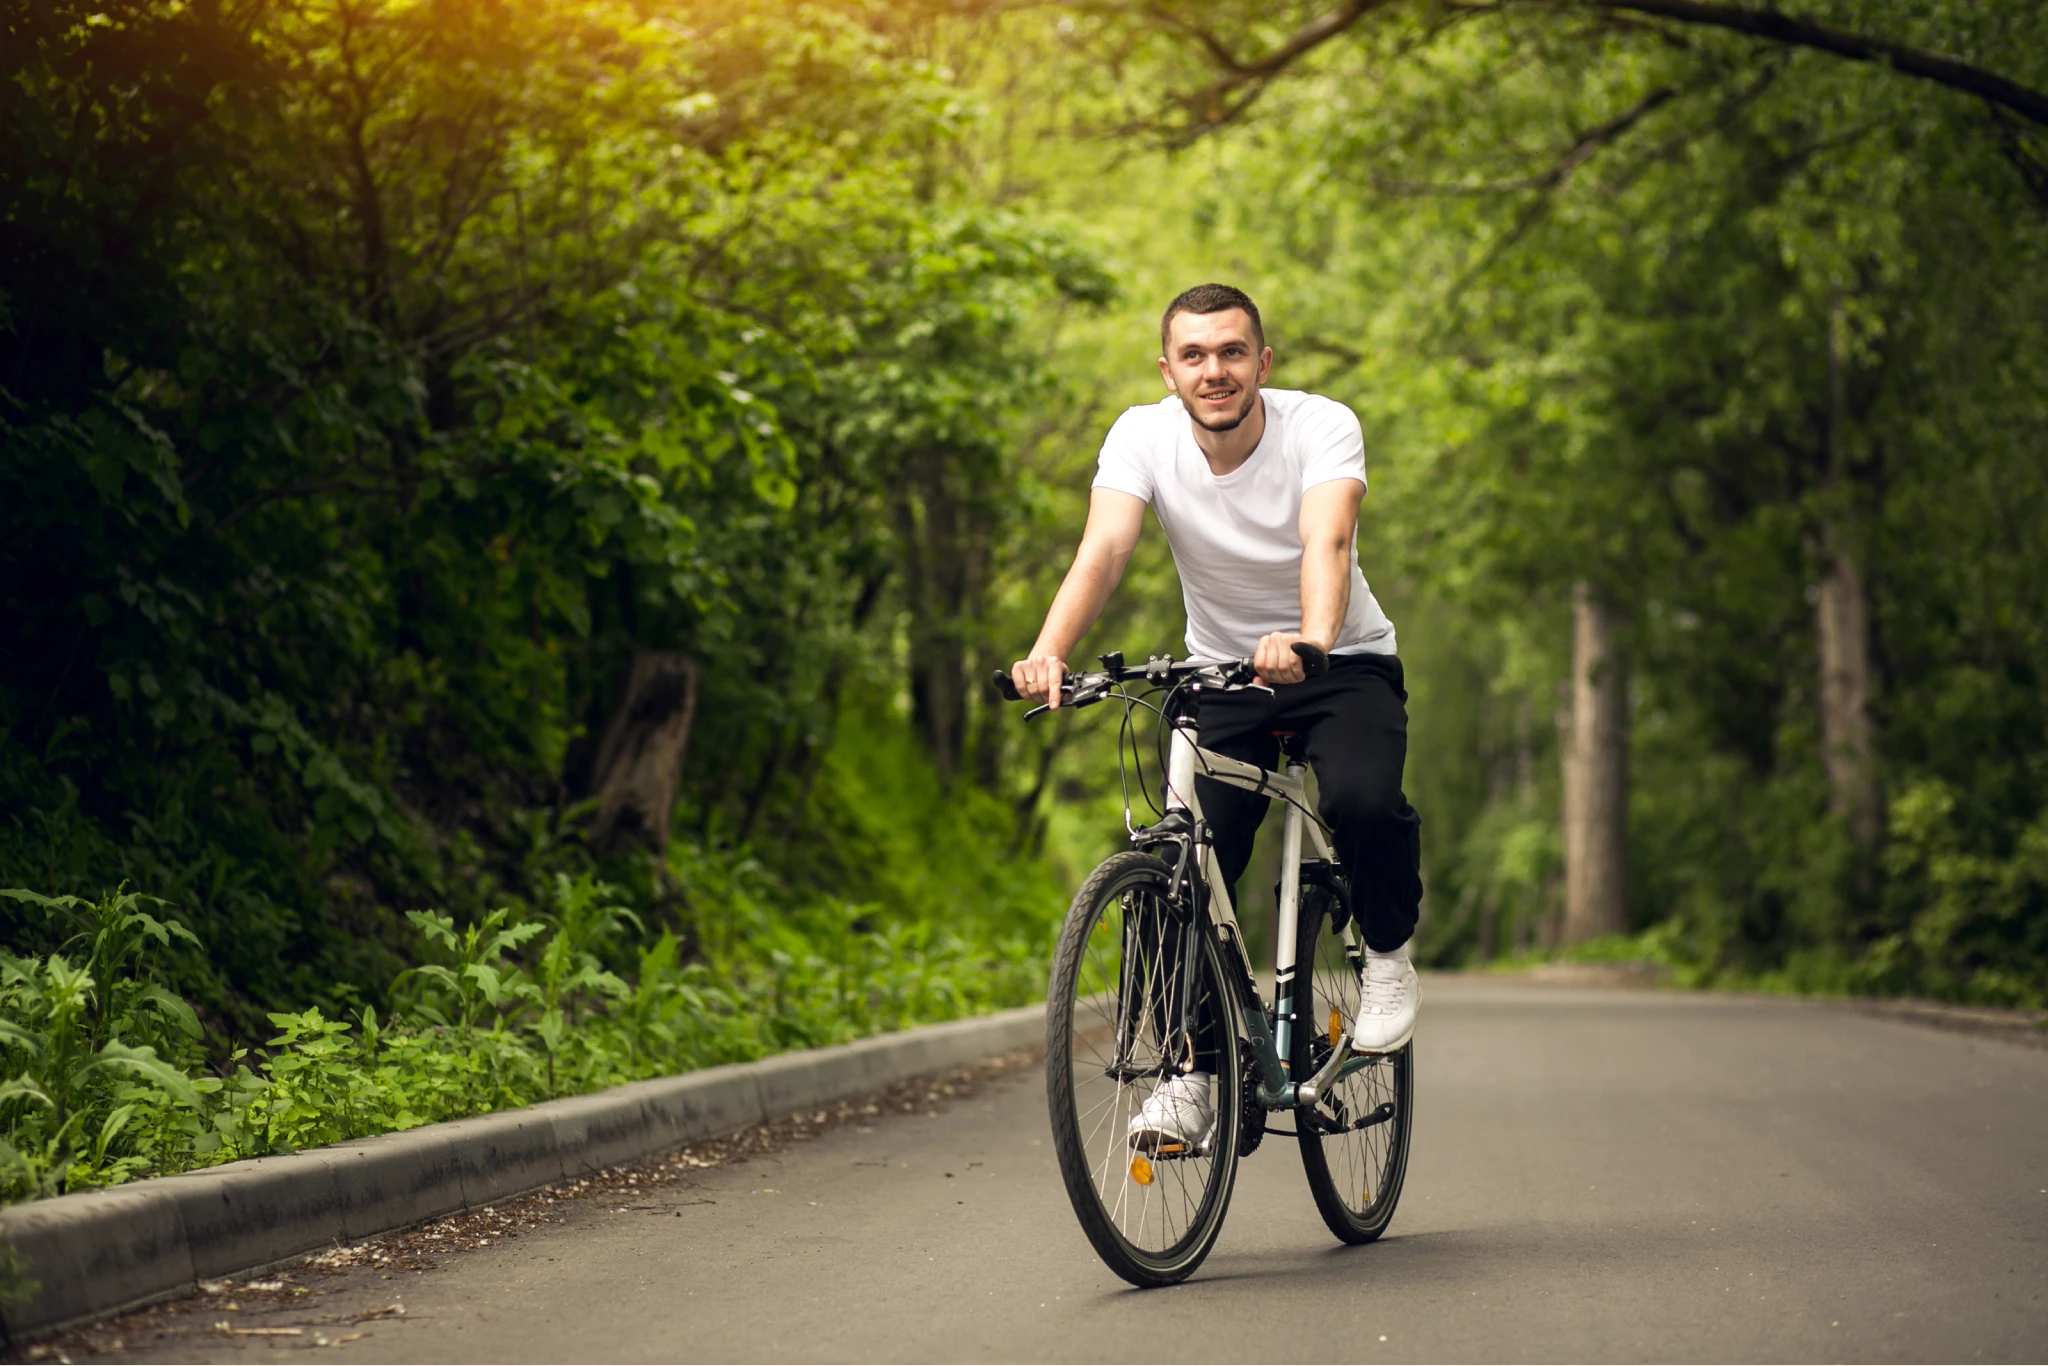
1081 689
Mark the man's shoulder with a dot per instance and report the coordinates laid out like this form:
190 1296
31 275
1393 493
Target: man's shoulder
1300 405
1149 424
1314 429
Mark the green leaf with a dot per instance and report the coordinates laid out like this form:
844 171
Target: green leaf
14 1036
180 1012
21 1088
487 980
111 1129
62 903
144 1064
435 926
504 941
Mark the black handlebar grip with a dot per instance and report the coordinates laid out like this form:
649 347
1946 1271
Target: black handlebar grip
1314 663
1007 688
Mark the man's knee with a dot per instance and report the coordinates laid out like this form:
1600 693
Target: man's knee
1361 797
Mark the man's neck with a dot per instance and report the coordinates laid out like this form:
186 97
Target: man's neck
1227 451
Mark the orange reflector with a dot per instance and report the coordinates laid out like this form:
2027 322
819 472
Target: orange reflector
1336 1026
1141 1170
1170 1149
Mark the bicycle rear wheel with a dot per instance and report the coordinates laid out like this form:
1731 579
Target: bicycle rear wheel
1112 1035
1354 1146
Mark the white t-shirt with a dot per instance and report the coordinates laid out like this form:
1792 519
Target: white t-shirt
1237 539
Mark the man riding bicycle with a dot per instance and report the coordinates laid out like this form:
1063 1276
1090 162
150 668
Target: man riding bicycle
1258 491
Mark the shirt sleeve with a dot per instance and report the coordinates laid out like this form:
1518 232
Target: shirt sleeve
1126 460
1333 445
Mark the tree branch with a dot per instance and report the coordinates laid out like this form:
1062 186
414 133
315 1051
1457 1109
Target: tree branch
1307 38
1576 156
1211 105
2024 158
1783 28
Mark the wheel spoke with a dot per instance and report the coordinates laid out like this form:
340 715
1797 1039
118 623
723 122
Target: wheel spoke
1357 1174
1119 985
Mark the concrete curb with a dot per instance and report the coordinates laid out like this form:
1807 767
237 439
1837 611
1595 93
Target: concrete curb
2028 1028
100 1252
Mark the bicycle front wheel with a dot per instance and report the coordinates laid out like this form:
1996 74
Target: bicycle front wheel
1115 1030
1354 1144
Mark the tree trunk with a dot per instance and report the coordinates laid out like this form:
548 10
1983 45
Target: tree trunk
1596 775
995 724
764 782
1842 624
641 759
1842 632
943 531
1489 927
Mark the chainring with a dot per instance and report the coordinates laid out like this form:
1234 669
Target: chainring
1252 1129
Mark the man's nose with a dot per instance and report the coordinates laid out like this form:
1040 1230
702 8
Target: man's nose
1213 368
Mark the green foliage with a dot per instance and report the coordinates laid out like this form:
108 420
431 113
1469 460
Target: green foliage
95 1091
1690 318
508 1012
446 358
378 380
1986 919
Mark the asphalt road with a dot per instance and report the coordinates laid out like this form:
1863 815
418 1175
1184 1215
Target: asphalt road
1596 1175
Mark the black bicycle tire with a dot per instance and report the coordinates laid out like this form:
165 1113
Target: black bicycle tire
1116 875
1348 1224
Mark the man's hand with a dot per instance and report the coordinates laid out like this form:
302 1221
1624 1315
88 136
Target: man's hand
1038 679
1276 661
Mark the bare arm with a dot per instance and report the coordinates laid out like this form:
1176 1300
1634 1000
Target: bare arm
1329 521
1114 521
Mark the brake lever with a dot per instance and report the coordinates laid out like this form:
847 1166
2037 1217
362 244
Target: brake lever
1084 697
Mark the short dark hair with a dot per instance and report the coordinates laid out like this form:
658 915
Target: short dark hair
1211 299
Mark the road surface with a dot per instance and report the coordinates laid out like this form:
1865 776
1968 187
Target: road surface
1596 1175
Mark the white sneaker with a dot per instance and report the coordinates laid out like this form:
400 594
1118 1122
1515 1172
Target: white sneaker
1175 1118
1389 996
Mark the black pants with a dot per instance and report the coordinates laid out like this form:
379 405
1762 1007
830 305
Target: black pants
1354 720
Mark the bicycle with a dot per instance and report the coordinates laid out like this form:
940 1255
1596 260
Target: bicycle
1151 976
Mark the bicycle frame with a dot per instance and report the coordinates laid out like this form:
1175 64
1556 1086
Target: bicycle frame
1278 1090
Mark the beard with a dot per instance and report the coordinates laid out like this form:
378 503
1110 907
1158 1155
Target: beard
1231 423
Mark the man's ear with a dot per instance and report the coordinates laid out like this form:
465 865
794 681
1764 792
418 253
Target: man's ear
1166 373
1265 364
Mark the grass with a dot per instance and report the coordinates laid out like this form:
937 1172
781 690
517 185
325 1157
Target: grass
111 1078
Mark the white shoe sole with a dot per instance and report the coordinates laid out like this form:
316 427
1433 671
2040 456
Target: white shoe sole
1382 1050
1161 1143
1153 1143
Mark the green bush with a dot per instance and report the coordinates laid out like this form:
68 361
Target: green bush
111 1079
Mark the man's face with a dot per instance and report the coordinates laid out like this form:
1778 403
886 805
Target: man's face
1216 365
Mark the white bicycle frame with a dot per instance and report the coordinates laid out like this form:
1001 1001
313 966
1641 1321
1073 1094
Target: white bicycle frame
1187 761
